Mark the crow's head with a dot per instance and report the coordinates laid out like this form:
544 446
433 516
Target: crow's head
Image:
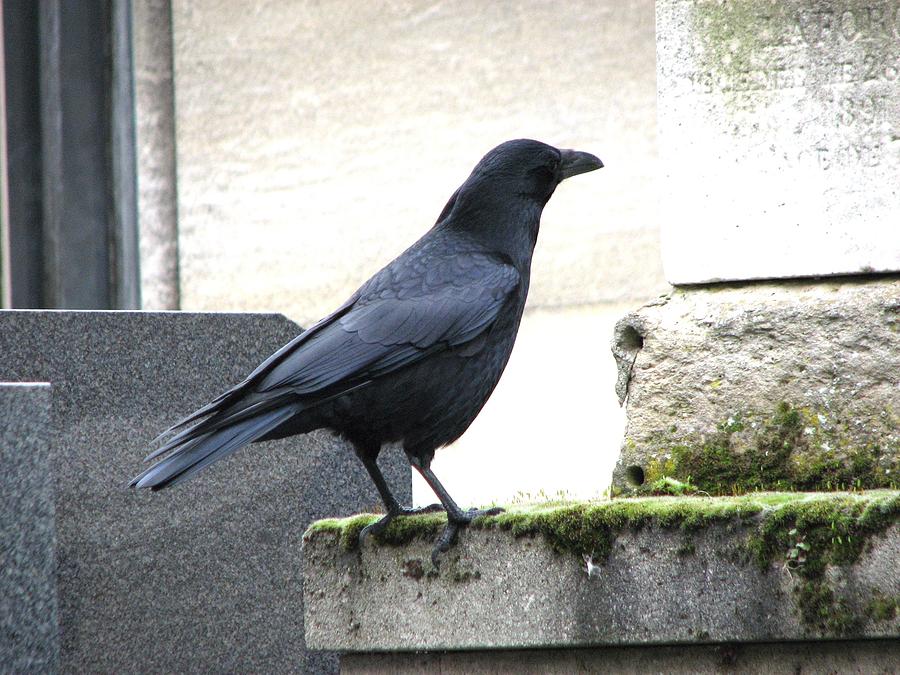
500 203
531 168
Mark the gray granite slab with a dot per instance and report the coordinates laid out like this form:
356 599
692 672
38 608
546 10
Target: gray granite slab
29 629
206 576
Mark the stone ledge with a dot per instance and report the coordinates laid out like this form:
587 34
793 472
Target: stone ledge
764 567
837 656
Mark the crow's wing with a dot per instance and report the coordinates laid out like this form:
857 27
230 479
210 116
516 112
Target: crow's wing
418 305
404 313
228 398
415 306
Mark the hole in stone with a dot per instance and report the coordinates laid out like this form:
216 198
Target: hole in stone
630 339
635 475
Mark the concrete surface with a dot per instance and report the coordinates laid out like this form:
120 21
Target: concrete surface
862 656
208 575
315 142
779 137
495 591
29 620
723 359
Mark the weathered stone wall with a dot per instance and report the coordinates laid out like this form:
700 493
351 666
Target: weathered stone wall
763 386
778 135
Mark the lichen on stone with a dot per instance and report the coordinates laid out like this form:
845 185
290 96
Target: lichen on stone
833 531
792 448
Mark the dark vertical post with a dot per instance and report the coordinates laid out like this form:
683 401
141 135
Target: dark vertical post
77 178
125 250
24 207
72 173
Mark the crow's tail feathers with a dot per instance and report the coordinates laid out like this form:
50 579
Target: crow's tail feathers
199 447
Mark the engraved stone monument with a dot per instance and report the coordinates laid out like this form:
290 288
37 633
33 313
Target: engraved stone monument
779 132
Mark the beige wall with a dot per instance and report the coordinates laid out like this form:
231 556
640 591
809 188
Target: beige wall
317 140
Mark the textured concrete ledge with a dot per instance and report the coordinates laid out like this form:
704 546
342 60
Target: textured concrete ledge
844 656
769 567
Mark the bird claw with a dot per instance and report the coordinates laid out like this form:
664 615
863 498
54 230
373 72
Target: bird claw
382 523
454 522
442 545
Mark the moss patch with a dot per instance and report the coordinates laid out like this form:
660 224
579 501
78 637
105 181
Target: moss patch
809 536
793 448
400 532
882 608
592 527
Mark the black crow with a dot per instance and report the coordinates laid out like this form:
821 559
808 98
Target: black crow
414 354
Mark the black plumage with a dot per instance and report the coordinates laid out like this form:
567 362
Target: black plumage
414 354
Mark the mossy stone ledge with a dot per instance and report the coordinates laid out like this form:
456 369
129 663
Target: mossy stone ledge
649 570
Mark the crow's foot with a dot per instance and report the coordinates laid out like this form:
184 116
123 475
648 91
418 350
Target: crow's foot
381 524
454 522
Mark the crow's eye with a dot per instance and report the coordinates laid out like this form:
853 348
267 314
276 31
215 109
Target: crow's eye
542 173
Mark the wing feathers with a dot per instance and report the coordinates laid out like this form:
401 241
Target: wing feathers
202 451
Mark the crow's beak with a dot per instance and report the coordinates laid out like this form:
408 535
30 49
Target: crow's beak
575 162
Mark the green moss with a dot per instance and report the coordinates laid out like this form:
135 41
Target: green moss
834 527
401 531
883 608
822 612
592 527
810 535
790 449
669 486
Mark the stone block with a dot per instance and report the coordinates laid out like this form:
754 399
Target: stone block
779 131
763 386
205 576
661 570
29 626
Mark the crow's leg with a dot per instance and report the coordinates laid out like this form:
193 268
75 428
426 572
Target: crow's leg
456 517
392 507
